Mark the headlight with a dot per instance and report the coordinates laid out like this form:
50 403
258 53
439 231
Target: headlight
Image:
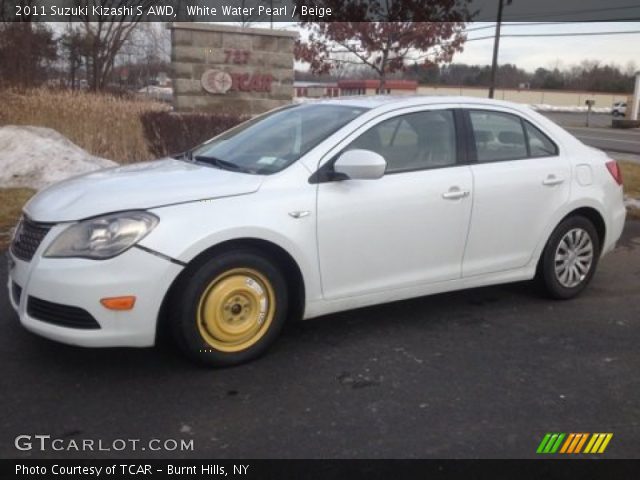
103 237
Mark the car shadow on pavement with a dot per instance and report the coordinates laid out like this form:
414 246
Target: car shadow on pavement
426 312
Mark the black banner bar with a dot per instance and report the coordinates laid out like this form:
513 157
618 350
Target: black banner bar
320 469
273 11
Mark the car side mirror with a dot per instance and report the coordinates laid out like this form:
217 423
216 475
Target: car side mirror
360 165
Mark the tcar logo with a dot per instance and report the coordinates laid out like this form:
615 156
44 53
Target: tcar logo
574 443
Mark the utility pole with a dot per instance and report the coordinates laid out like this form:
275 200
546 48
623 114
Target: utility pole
496 48
635 99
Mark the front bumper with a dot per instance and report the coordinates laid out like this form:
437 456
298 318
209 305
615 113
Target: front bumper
81 283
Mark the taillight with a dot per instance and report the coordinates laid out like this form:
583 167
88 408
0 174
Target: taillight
614 170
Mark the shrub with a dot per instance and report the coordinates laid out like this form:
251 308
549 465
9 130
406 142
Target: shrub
169 133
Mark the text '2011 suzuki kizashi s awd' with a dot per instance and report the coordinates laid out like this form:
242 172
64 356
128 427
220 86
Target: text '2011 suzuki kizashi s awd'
311 209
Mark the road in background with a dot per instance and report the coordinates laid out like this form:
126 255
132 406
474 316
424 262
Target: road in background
600 134
568 119
474 374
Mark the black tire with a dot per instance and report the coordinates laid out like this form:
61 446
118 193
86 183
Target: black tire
547 277
195 282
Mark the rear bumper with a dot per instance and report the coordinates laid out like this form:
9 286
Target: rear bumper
81 283
617 217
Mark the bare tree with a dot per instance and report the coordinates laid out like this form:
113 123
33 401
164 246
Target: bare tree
105 39
27 49
74 50
147 53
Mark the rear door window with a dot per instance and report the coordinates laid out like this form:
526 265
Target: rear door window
498 136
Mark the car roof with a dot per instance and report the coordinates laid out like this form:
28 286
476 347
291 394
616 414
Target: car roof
396 101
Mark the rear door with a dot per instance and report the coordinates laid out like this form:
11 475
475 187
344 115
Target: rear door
520 179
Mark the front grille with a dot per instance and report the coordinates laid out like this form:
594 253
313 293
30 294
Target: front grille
16 292
28 237
62 315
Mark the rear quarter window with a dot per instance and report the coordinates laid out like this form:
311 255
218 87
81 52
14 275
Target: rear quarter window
539 144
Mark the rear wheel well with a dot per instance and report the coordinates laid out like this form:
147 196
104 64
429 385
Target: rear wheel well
288 266
590 214
594 217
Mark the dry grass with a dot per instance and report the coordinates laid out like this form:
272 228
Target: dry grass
11 202
631 178
104 125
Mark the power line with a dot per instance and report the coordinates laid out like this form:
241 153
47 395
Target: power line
530 24
515 24
566 34
574 12
563 34
479 28
524 24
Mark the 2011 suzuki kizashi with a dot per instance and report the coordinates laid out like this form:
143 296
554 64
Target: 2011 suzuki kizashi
312 209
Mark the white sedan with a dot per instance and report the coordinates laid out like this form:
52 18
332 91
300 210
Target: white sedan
308 210
619 109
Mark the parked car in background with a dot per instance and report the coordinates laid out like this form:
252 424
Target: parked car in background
619 109
312 209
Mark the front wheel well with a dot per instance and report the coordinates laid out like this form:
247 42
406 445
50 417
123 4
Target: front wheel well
282 258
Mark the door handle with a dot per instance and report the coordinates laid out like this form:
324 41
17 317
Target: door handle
552 180
455 193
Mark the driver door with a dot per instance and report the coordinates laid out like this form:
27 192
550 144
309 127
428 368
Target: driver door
408 227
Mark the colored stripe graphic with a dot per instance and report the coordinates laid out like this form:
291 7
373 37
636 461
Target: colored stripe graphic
555 447
605 443
543 443
581 442
550 443
591 442
576 439
567 443
573 443
598 443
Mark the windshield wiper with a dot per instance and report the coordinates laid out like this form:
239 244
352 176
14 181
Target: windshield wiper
222 164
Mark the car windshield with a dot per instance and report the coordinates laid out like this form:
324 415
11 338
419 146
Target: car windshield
274 141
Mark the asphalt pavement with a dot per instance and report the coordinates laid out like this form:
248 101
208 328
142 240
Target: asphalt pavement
481 373
579 119
599 134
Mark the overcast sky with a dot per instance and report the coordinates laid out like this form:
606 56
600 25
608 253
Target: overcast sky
531 53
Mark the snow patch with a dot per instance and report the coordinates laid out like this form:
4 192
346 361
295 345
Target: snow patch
632 202
543 107
36 157
157 93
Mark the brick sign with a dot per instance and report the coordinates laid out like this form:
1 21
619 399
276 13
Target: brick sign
228 68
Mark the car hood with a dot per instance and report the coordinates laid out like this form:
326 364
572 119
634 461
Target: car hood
138 186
